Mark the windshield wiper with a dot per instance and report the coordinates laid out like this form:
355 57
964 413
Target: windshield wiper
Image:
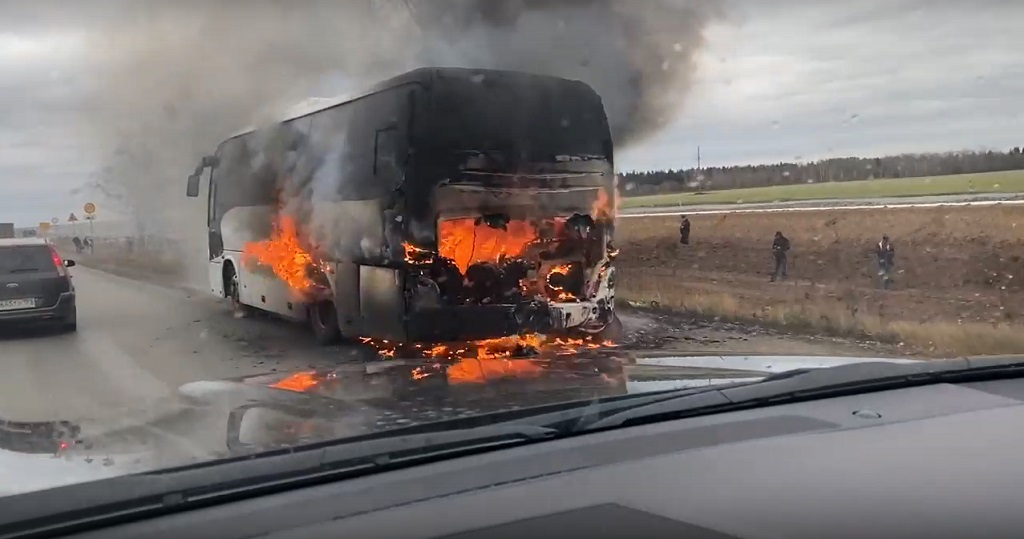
811 384
80 507
23 270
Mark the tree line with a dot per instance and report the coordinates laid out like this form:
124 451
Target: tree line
836 169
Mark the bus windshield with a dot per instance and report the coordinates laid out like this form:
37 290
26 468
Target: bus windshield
519 115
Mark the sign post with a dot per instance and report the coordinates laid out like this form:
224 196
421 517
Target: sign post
74 224
90 215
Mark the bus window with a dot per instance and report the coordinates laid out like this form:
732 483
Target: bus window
388 157
362 146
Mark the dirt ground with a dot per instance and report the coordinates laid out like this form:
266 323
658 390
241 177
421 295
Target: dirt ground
957 288
647 330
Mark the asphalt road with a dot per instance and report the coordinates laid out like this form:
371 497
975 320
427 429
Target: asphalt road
136 344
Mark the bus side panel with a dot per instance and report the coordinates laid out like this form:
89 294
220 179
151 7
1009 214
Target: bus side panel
259 287
216 275
265 291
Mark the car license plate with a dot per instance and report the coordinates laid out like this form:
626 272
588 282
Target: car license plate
13 304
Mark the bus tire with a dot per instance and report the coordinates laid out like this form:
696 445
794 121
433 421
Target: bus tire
613 330
233 294
323 319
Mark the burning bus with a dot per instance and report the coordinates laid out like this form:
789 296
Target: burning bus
445 204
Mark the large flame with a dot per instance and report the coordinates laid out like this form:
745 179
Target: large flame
465 242
283 253
605 206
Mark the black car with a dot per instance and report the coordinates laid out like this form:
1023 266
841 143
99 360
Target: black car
35 284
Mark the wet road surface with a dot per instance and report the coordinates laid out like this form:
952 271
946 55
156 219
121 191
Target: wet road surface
136 344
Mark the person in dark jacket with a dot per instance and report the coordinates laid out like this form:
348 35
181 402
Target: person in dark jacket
78 244
885 252
780 249
684 231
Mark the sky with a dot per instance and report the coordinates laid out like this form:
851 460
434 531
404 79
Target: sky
774 81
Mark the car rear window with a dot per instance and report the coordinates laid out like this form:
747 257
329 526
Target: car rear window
25 259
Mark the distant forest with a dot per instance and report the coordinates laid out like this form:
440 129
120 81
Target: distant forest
839 169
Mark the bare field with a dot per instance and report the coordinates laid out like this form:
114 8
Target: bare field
958 284
159 263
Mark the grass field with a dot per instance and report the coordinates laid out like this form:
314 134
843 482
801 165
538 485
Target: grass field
1011 181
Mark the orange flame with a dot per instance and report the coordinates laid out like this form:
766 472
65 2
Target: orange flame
560 293
283 253
465 243
606 206
416 255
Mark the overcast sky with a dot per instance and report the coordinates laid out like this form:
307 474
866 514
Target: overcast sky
776 81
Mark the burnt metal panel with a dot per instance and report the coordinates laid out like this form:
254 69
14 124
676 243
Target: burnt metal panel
382 303
346 297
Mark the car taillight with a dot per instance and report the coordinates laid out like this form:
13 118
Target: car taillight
57 262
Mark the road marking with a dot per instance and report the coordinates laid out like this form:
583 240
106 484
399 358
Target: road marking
740 208
133 380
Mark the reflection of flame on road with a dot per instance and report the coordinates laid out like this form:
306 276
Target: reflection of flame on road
284 254
475 371
490 359
466 242
302 381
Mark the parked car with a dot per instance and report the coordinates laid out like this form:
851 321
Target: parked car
35 285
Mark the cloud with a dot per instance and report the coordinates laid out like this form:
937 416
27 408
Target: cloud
774 80
796 79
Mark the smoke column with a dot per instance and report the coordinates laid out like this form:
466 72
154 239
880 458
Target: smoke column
172 79
637 54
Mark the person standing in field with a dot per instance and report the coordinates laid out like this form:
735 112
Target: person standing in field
684 231
780 250
885 252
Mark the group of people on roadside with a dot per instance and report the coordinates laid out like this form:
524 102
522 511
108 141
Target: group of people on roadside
885 253
81 245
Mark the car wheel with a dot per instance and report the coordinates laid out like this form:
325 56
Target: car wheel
70 324
323 318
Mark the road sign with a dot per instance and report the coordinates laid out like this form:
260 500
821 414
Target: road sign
72 218
89 208
43 227
54 220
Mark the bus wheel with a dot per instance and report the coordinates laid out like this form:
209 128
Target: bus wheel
232 291
323 318
613 330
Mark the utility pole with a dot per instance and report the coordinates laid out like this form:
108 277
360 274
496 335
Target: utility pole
698 157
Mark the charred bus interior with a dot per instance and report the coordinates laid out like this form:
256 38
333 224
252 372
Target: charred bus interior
516 173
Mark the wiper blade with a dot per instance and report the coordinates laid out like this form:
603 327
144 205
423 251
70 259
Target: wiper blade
22 270
810 384
75 508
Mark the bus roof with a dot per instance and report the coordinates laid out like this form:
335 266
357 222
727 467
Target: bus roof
423 75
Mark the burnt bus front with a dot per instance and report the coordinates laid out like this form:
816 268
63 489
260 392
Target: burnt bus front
510 196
